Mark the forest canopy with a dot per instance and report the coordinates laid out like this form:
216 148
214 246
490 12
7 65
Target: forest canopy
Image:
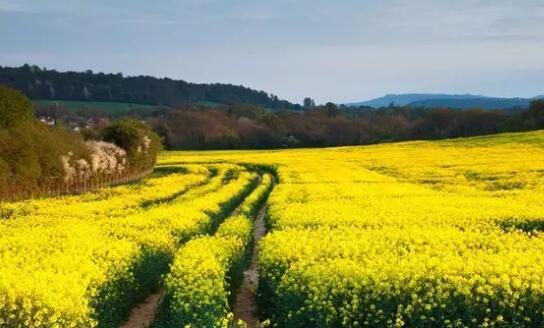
43 84
232 127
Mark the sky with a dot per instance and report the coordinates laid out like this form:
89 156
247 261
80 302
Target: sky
330 50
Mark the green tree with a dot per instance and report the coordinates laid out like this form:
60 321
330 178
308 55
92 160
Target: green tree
137 139
535 113
14 107
308 103
332 110
272 121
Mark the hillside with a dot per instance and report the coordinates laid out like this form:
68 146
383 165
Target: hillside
483 102
44 84
405 99
446 100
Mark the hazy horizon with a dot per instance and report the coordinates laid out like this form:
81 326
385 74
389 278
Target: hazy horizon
330 51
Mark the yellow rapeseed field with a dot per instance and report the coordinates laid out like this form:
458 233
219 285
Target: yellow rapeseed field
417 234
82 261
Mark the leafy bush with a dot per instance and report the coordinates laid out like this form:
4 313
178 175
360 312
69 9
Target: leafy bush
14 107
36 159
31 155
137 139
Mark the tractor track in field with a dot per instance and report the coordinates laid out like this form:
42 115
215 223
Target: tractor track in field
245 307
145 312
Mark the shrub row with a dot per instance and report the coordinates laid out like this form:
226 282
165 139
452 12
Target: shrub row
36 159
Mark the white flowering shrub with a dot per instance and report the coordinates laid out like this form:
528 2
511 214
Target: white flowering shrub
107 158
106 161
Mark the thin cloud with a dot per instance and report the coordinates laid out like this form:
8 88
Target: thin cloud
330 50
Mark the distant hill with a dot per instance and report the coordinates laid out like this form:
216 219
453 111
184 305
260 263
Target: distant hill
405 99
448 101
44 84
484 102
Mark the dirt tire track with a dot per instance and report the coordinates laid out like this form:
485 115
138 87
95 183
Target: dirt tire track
245 308
142 316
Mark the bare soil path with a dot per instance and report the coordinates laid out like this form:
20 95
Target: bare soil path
245 307
143 315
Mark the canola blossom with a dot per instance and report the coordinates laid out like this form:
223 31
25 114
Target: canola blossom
415 234
82 261
206 270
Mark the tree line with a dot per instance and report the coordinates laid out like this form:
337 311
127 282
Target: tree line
36 159
43 84
249 126
252 127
